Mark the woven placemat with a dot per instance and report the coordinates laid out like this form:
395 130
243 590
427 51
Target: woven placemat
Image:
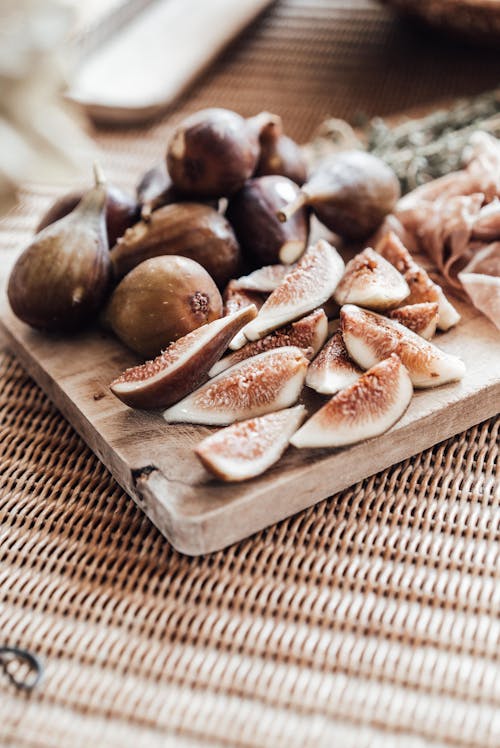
371 619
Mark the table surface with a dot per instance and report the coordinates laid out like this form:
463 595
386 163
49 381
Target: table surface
370 619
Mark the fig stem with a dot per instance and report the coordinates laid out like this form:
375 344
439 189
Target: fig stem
289 210
265 123
100 179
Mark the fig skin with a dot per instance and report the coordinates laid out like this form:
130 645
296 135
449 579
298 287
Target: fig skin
280 155
253 215
122 211
212 153
190 230
351 193
160 301
61 280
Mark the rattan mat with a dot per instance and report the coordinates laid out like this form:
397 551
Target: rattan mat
371 619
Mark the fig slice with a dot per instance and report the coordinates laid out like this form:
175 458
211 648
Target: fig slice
422 287
264 279
236 298
369 338
371 281
248 448
259 385
332 369
367 408
310 284
307 333
182 367
420 318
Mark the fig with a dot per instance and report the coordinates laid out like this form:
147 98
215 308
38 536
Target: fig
213 152
122 211
262 384
367 408
249 448
420 318
279 154
161 300
422 287
369 338
235 298
182 367
61 279
350 192
308 333
332 369
372 282
310 284
156 190
186 229
264 279
252 213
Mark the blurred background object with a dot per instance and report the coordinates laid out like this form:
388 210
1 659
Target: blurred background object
472 18
38 134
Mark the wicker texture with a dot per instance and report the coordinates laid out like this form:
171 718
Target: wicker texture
371 619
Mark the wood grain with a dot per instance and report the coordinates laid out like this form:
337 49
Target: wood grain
154 461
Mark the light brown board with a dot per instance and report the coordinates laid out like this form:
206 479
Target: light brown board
155 464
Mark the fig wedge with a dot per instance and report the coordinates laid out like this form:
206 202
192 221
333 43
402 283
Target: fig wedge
236 298
420 318
259 385
265 279
310 284
248 448
182 367
422 287
369 338
307 333
372 282
367 408
332 369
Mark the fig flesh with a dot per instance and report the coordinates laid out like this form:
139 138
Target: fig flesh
420 318
262 384
372 282
264 279
310 284
370 338
351 193
187 229
182 367
249 448
235 298
212 153
61 280
252 212
161 300
121 211
367 408
308 333
332 369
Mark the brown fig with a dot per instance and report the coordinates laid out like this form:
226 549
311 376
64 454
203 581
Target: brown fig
122 211
253 215
161 300
279 154
61 280
155 189
187 229
212 153
351 193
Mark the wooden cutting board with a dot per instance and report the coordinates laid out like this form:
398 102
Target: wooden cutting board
154 461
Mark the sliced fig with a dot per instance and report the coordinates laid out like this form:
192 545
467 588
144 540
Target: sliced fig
235 298
265 279
261 384
367 408
307 333
310 284
182 367
420 318
422 287
370 281
246 449
332 369
369 338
